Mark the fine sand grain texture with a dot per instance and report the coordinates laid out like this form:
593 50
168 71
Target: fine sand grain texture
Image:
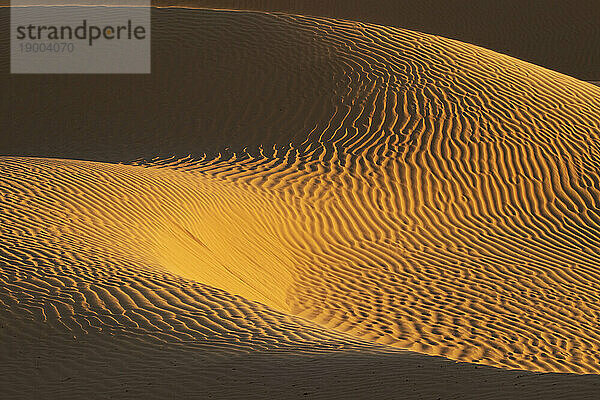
301 207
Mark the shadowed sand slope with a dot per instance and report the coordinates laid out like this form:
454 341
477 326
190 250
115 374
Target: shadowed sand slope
307 190
555 34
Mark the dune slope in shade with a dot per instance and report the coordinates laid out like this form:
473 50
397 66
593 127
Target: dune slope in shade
437 197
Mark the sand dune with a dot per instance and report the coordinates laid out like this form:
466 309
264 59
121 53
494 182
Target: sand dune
554 34
295 190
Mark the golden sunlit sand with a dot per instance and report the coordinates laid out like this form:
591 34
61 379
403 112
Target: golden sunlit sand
386 204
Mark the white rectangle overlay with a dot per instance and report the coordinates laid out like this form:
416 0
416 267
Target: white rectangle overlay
80 39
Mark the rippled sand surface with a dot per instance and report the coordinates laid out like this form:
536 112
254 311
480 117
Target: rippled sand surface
370 206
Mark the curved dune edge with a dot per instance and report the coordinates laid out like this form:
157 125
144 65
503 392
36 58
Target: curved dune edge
448 205
510 27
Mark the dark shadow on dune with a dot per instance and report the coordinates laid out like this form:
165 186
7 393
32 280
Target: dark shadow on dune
555 34
176 372
195 100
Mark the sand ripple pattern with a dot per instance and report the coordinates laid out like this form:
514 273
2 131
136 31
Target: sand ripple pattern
444 200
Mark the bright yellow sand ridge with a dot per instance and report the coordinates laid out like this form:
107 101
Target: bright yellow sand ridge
449 205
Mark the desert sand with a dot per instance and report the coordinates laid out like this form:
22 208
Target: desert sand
301 207
556 34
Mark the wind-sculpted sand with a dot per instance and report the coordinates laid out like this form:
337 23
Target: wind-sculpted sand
366 191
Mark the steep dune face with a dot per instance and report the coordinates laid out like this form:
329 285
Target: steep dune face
427 194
